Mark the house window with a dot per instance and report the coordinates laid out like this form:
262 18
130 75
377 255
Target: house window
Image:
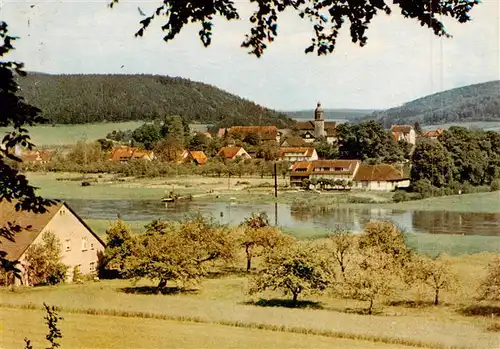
92 266
62 212
91 246
67 245
84 244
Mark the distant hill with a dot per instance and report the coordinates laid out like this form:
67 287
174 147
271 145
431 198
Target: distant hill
331 114
479 102
77 99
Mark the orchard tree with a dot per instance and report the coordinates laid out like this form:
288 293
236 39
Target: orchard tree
490 287
119 246
296 269
16 114
326 18
258 237
434 273
342 247
179 254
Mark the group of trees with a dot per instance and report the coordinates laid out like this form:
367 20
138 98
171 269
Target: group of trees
459 156
76 99
374 265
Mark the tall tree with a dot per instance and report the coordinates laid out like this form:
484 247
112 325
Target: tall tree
16 114
432 162
326 17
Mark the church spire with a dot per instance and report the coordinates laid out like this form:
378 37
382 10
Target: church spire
318 112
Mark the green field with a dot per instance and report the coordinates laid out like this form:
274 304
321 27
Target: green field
87 331
58 135
221 305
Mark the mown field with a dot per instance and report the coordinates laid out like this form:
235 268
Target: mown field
221 304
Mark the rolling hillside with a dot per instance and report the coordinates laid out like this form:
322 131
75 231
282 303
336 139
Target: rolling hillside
479 102
77 99
331 114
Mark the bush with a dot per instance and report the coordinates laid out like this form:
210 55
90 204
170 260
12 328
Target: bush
495 185
400 196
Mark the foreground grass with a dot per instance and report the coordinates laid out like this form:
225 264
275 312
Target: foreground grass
91 331
224 300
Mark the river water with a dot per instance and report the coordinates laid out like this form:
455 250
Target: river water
432 222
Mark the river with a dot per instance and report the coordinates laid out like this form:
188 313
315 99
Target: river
432 222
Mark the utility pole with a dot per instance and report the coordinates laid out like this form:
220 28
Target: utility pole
275 182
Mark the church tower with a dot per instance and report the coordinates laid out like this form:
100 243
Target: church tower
319 122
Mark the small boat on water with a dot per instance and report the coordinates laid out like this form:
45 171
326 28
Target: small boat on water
177 198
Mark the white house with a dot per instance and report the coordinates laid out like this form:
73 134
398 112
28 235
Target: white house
80 245
233 152
381 177
298 154
404 133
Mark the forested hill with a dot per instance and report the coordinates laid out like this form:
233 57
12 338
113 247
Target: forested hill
479 102
76 99
331 114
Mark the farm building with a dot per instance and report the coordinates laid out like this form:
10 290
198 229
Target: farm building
318 128
292 141
79 244
381 177
433 134
125 153
298 154
196 157
36 156
404 133
265 133
233 152
324 169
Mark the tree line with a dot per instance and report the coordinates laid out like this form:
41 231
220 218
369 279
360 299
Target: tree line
76 99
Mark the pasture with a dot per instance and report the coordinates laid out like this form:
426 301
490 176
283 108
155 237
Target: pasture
221 304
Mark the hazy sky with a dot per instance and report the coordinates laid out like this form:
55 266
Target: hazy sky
402 60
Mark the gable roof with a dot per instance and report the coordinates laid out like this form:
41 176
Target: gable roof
127 153
302 169
401 128
433 133
379 172
199 156
293 141
36 156
305 151
266 133
229 152
304 126
34 224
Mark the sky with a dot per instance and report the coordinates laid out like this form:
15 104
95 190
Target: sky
402 61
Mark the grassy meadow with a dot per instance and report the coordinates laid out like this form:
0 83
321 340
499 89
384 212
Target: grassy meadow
221 304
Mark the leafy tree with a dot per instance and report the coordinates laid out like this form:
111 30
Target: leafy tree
16 115
367 140
174 127
168 149
326 150
180 254
372 276
327 18
258 237
435 273
296 269
119 246
343 244
43 261
490 287
268 151
147 135
418 128
432 162
199 142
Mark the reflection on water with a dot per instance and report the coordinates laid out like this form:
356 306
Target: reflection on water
281 214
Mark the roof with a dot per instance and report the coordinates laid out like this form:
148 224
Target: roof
293 141
229 152
304 126
36 155
433 133
379 172
301 169
333 166
199 156
401 128
305 151
266 133
127 153
34 224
